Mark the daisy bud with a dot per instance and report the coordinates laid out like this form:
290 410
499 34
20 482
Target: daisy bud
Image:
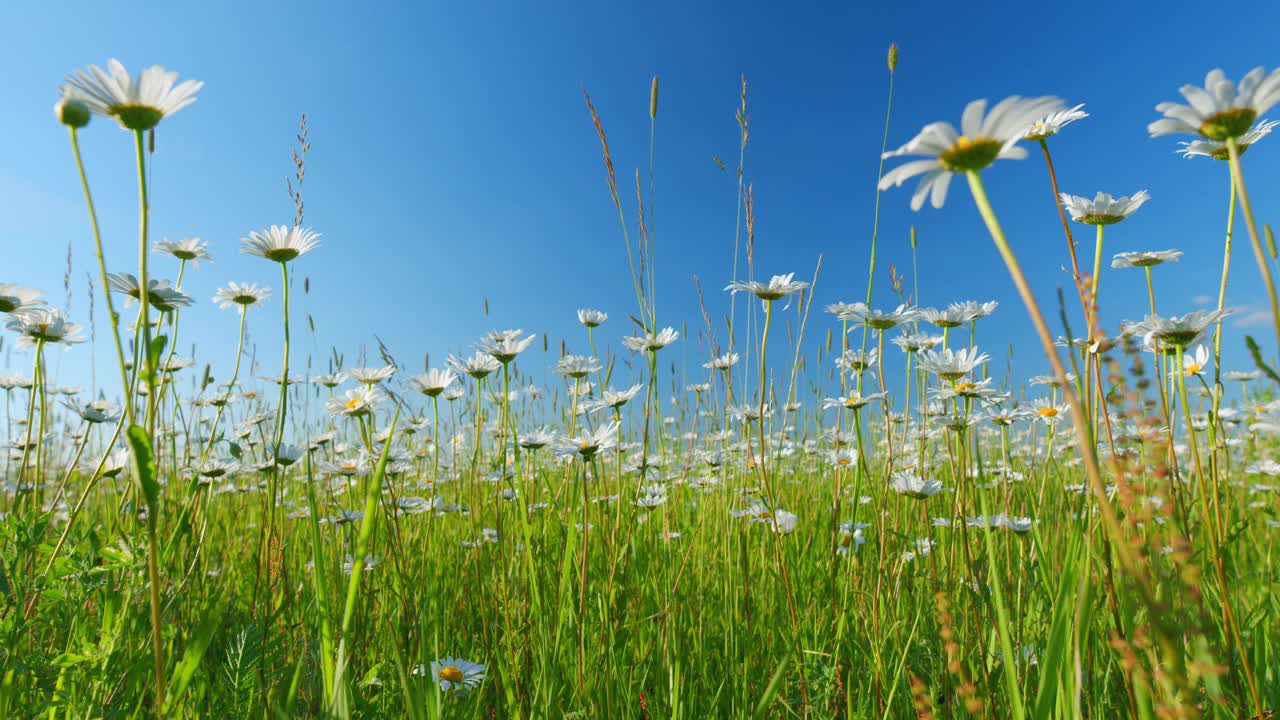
893 56
71 112
653 99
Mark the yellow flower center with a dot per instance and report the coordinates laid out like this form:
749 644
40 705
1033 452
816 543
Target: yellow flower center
1048 412
1228 124
452 674
1193 368
969 154
844 461
966 387
352 404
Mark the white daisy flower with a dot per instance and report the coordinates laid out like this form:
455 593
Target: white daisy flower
371 376
454 674
983 138
42 324
193 249
14 298
779 286
1147 258
592 318
240 295
1218 150
433 382
650 342
160 295
354 402
137 104
915 486
577 366
952 364
478 366
1220 110
1103 209
505 345
1053 123
279 243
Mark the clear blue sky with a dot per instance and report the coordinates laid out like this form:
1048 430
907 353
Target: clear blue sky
454 159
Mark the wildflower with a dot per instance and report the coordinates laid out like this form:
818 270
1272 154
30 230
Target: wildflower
858 361
977 390
505 345
478 366
778 287
44 325
1103 209
1220 110
652 496
1048 411
1053 123
592 318
615 399
848 457
215 468
98 411
243 295
137 104
193 249
536 439
913 342
1195 363
923 546
355 402
577 366
1175 331
651 342
332 380
160 295
850 537
288 455
952 364
974 310
433 382
371 376
1149 258
71 110
851 402
279 243
586 445
14 298
1006 418
915 486
880 320
723 362
1241 376
454 674
984 137
1218 150
948 318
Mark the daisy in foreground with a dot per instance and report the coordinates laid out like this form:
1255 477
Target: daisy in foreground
454 674
1220 110
137 104
983 138
280 243
778 287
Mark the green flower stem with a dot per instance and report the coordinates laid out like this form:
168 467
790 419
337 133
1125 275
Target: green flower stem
1237 175
106 288
144 303
1084 441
